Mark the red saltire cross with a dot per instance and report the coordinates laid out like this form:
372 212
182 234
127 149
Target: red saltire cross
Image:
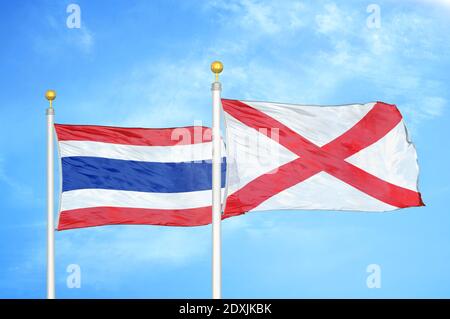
329 158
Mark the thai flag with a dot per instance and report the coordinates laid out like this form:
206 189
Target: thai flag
113 175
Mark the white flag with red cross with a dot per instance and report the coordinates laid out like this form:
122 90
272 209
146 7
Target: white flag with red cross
352 157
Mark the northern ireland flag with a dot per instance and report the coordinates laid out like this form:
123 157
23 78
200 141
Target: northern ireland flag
352 157
116 175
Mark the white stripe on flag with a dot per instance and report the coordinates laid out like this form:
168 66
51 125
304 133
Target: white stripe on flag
84 198
160 154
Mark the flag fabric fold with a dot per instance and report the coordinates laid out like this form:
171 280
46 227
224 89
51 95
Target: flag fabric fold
353 157
113 175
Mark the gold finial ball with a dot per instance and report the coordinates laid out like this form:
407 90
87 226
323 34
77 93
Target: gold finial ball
50 95
216 67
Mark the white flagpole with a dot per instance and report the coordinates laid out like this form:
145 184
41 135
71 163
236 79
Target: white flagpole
50 95
216 68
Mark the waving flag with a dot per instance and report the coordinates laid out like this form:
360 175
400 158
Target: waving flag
113 175
351 157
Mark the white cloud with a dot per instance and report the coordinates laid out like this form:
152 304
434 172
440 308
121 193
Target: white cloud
389 59
425 108
434 106
332 20
84 39
169 94
443 3
59 38
347 51
262 17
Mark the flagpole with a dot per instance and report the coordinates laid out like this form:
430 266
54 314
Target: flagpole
216 88
50 95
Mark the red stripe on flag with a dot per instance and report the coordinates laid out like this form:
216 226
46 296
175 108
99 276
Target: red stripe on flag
267 185
376 187
379 121
134 136
100 216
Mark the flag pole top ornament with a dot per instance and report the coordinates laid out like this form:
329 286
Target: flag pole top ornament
50 95
217 68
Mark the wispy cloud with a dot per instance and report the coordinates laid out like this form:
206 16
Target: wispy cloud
441 3
323 50
84 39
332 51
261 17
170 93
59 38
332 20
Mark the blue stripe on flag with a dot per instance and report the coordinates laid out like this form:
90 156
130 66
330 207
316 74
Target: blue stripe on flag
80 172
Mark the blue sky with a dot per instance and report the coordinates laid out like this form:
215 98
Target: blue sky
146 63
